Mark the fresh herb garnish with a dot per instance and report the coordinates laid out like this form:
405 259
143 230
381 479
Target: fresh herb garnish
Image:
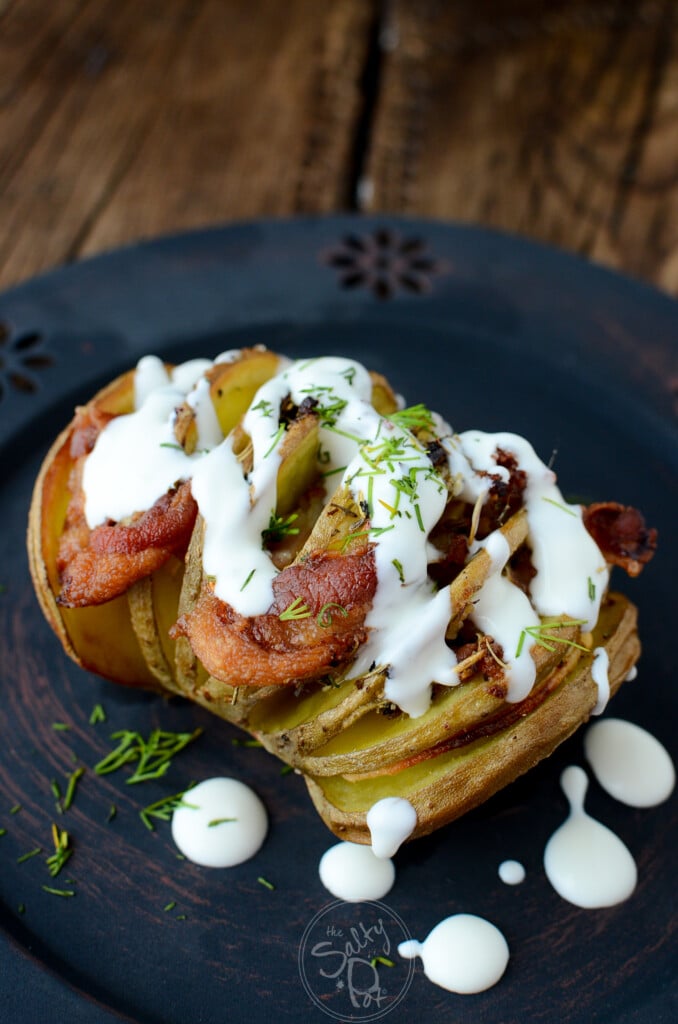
27 856
265 882
592 589
169 906
381 960
73 780
237 742
61 726
563 508
153 755
112 811
15 809
247 580
165 808
324 616
264 407
171 444
546 640
276 437
398 566
279 527
415 417
219 821
58 892
62 851
98 715
295 611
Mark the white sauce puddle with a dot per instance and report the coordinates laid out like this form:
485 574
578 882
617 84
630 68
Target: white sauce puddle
391 821
629 763
585 862
352 872
463 954
511 872
223 823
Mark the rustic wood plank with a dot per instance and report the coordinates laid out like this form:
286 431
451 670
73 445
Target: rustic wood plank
557 121
163 116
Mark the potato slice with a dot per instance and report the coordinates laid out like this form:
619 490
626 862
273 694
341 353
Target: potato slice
100 638
446 786
234 384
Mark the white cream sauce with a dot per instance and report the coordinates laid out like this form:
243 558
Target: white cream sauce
464 954
353 873
585 862
136 460
511 872
391 821
222 823
629 763
599 674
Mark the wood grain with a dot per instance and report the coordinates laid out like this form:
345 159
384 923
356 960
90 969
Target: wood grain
123 120
558 121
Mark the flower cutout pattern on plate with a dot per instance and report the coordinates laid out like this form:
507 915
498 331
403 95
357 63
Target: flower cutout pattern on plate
385 262
22 354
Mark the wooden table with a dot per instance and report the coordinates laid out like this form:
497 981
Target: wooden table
124 119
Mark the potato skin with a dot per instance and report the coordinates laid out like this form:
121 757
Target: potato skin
447 787
100 639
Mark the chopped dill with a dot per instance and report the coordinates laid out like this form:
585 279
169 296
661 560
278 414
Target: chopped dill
563 508
27 856
415 417
219 821
279 527
98 715
546 640
294 611
398 566
592 589
276 437
247 580
169 906
153 755
165 808
381 960
62 851
61 726
265 882
73 780
324 616
58 892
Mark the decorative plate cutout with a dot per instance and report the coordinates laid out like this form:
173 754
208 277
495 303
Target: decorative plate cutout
21 354
385 262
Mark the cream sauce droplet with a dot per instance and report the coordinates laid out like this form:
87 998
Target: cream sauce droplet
223 823
629 763
352 872
585 862
599 674
464 954
511 872
390 821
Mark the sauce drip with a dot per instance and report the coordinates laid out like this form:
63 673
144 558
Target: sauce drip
511 872
629 763
222 823
585 862
352 872
391 821
463 954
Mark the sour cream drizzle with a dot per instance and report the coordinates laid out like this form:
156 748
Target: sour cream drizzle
389 473
629 763
585 862
464 954
391 821
352 872
221 822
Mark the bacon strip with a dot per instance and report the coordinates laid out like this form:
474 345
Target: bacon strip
103 563
264 650
621 534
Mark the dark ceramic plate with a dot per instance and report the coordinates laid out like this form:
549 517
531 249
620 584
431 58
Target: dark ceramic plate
496 333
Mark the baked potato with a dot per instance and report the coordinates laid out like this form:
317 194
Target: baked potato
390 608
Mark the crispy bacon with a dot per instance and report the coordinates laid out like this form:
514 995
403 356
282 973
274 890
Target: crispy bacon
621 534
100 564
264 650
